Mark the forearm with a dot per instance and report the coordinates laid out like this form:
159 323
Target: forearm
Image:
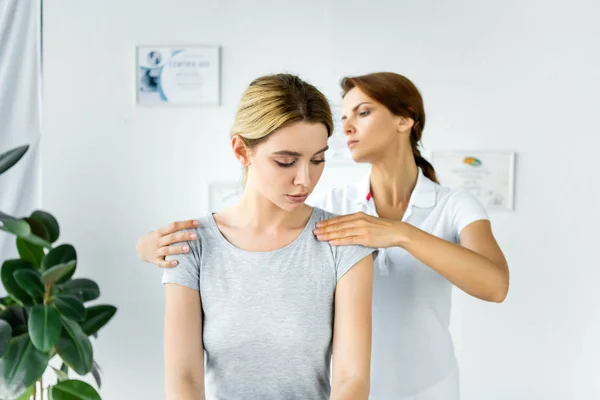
469 271
184 388
350 389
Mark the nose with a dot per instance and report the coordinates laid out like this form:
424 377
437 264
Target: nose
349 128
302 177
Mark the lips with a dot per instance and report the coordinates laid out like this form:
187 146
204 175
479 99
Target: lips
352 143
297 198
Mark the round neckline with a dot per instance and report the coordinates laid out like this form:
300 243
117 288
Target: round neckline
222 238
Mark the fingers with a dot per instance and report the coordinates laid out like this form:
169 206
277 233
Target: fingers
177 237
341 218
341 225
346 241
162 263
341 234
178 226
167 251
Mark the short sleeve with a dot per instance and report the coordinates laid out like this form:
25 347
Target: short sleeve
346 257
187 271
465 208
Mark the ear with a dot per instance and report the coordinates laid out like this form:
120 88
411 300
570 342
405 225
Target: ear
240 151
404 124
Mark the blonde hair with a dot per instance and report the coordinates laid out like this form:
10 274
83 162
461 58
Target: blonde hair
275 101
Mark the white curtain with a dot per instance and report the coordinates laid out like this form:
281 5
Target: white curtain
20 109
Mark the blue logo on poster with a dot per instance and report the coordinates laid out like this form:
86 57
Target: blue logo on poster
154 58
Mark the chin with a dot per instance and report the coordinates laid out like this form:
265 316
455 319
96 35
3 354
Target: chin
358 157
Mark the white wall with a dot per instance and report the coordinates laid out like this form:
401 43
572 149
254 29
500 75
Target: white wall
517 75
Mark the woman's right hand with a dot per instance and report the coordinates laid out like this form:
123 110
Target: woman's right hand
156 245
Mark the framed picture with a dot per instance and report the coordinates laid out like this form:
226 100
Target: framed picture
223 194
178 75
489 175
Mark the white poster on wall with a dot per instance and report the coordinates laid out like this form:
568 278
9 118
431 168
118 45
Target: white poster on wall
178 75
488 175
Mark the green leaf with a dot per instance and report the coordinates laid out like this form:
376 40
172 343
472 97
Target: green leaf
29 281
84 289
73 390
10 284
11 157
15 316
5 335
61 375
20 367
37 228
30 252
16 227
59 255
70 306
5 302
74 348
49 222
96 372
62 254
36 240
44 327
22 229
39 235
55 273
28 393
97 317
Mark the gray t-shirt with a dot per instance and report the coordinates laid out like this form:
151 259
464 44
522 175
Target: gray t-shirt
267 316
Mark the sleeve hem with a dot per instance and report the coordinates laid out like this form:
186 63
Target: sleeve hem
342 270
468 221
180 282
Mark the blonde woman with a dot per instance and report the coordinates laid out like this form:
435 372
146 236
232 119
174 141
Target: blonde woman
268 304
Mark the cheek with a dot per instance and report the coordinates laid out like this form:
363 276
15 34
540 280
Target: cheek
376 132
269 173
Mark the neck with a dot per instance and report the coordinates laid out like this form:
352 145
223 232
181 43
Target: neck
258 213
394 178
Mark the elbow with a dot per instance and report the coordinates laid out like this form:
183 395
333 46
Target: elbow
501 291
499 296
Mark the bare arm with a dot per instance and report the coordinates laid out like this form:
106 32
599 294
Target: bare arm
352 333
183 348
477 266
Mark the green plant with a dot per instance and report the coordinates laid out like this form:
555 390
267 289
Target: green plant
45 315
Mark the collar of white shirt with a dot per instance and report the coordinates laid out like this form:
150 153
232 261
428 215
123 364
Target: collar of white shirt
423 196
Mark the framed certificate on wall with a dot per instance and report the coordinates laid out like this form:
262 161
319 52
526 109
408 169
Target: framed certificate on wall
181 75
489 175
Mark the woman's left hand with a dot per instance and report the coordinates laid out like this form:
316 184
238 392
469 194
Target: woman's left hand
360 228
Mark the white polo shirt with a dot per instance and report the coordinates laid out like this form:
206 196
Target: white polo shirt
412 354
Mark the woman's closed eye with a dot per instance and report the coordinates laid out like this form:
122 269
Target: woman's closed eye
289 164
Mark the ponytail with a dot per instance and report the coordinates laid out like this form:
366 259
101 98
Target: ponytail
426 167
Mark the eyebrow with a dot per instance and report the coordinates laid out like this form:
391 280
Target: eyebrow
356 107
296 154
